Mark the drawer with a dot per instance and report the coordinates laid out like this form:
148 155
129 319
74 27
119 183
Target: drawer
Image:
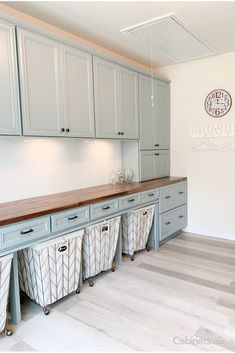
150 195
129 201
24 232
173 196
103 209
173 221
69 219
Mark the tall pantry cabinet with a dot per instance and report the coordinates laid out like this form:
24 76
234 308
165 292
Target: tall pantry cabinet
154 143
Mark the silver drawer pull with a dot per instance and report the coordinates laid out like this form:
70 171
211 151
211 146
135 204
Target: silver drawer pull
72 218
105 208
150 195
26 231
181 216
131 200
167 197
180 192
167 223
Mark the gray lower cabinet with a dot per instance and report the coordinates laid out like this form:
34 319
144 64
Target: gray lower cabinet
56 87
154 164
173 209
173 221
116 100
9 91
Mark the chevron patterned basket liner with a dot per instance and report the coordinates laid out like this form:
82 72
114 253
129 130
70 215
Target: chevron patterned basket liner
136 226
51 270
99 246
5 272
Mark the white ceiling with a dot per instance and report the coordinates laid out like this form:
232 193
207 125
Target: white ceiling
101 21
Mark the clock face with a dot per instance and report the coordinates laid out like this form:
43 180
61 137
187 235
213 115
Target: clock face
218 103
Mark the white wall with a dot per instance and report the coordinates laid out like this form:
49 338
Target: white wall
208 164
38 166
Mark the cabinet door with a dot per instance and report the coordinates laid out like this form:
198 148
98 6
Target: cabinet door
154 164
39 78
105 90
9 91
78 92
162 113
128 103
162 163
147 165
146 113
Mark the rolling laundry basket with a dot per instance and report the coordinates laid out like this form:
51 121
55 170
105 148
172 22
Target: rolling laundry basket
99 247
5 272
51 270
136 226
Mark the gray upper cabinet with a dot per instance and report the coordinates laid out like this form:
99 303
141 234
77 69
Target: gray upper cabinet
162 113
105 90
116 100
9 90
154 110
56 87
128 103
39 64
154 164
78 92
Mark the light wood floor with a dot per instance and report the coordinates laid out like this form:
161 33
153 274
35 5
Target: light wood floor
184 291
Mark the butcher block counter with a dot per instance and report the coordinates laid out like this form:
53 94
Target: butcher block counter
21 210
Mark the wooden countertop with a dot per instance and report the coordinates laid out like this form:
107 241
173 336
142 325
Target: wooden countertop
21 210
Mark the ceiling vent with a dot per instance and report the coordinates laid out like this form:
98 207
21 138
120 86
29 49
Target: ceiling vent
170 38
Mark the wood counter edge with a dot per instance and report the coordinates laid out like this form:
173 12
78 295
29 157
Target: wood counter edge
23 210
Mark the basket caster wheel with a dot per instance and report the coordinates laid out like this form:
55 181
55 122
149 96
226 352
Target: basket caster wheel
148 248
113 269
7 332
77 290
91 283
132 258
46 311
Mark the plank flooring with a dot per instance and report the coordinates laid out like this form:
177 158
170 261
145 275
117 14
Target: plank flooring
181 298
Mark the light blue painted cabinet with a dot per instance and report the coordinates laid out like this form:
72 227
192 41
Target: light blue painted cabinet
154 164
154 111
39 65
56 87
116 100
77 87
9 91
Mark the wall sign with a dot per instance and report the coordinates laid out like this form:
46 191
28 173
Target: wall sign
218 103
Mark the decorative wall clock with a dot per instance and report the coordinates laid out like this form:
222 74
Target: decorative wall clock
218 103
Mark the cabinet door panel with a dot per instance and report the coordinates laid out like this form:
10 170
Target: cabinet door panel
39 73
9 91
162 113
128 102
162 164
147 138
147 165
78 92
105 89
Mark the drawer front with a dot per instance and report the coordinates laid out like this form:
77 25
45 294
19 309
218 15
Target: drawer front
173 221
69 219
103 209
150 195
23 232
173 196
129 201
